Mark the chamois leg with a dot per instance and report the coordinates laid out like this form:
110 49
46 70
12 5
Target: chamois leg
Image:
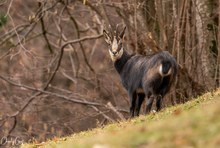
139 103
158 103
149 104
133 97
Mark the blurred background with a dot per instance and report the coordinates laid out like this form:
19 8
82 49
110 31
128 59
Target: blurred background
56 75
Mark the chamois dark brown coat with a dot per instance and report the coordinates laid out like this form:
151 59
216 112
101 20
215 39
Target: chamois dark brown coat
142 76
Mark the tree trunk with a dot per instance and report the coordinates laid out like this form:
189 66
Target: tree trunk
203 65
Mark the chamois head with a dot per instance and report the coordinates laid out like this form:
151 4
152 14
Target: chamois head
114 40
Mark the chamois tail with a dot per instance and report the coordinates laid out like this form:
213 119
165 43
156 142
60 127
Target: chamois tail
165 68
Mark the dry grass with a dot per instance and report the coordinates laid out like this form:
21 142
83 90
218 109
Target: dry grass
193 124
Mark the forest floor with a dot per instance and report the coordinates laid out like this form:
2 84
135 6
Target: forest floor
193 124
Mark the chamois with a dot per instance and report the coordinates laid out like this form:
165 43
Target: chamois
150 76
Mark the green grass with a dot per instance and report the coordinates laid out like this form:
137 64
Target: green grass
193 124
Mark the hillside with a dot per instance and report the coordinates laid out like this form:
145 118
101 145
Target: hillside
193 124
57 75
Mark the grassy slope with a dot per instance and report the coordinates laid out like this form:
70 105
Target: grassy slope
193 124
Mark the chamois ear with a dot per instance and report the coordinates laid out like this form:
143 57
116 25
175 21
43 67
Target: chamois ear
122 33
107 37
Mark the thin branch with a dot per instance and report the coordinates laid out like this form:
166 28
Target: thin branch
14 125
103 114
76 65
9 7
78 36
83 102
81 39
110 106
3 2
68 77
12 33
44 28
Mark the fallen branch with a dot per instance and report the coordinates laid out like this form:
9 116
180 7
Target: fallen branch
110 106
103 114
